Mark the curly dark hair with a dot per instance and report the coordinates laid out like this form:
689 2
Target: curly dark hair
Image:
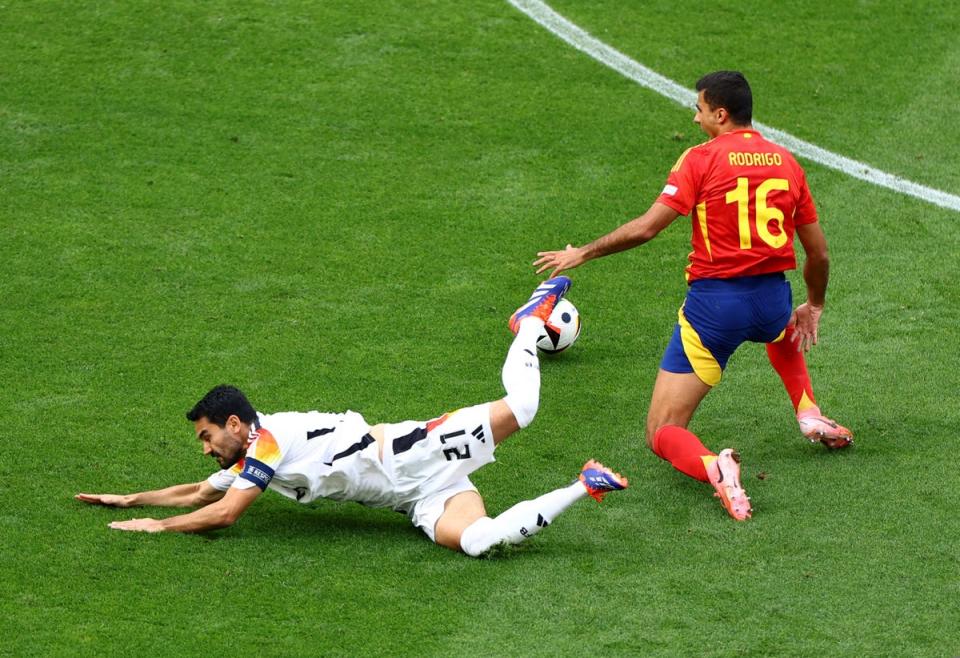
220 403
731 91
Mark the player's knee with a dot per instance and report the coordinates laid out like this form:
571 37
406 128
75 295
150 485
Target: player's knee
477 537
649 440
651 433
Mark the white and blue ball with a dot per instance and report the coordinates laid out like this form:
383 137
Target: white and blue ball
561 329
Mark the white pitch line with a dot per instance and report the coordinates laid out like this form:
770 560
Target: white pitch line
584 42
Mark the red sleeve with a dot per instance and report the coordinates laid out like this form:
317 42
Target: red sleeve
680 192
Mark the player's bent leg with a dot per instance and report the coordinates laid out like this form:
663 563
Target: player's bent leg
791 365
684 450
460 512
521 369
675 398
529 517
521 372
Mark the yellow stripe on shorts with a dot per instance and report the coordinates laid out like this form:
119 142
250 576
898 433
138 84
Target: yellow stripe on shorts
704 365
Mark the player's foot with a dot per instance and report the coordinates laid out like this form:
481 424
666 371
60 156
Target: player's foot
542 301
724 475
828 432
600 480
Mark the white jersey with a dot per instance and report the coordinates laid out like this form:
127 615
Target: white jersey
312 455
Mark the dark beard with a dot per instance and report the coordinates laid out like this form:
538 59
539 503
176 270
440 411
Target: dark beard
226 461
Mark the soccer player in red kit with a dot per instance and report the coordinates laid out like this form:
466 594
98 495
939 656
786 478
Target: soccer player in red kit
746 198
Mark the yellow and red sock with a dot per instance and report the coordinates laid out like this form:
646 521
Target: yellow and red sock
791 365
683 450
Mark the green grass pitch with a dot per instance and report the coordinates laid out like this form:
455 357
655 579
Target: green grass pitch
335 205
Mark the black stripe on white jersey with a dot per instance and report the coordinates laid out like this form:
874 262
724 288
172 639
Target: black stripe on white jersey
356 447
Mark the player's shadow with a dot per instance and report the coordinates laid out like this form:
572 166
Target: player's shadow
331 523
327 521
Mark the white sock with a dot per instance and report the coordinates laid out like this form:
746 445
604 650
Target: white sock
522 520
521 372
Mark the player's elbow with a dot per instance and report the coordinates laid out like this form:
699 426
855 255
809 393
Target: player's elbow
223 516
647 230
818 263
642 233
819 256
202 498
648 225
231 516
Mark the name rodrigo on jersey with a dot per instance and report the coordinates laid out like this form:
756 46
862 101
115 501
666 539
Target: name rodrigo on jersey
740 159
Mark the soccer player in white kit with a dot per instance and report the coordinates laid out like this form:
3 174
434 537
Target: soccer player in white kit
420 468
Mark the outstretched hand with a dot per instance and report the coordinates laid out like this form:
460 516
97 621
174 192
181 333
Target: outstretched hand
114 500
138 525
807 320
558 261
109 500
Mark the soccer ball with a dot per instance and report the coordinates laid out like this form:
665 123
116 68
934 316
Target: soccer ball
561 329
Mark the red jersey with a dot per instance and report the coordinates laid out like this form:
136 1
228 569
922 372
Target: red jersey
745 196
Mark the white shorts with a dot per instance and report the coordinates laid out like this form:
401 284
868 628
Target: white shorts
429 461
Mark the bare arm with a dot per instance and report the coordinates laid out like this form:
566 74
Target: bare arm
816 269
816 273
195 494
632 234
220 514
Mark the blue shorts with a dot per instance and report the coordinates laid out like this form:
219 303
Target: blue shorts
719 314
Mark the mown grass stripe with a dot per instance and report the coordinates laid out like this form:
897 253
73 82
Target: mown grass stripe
581 40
